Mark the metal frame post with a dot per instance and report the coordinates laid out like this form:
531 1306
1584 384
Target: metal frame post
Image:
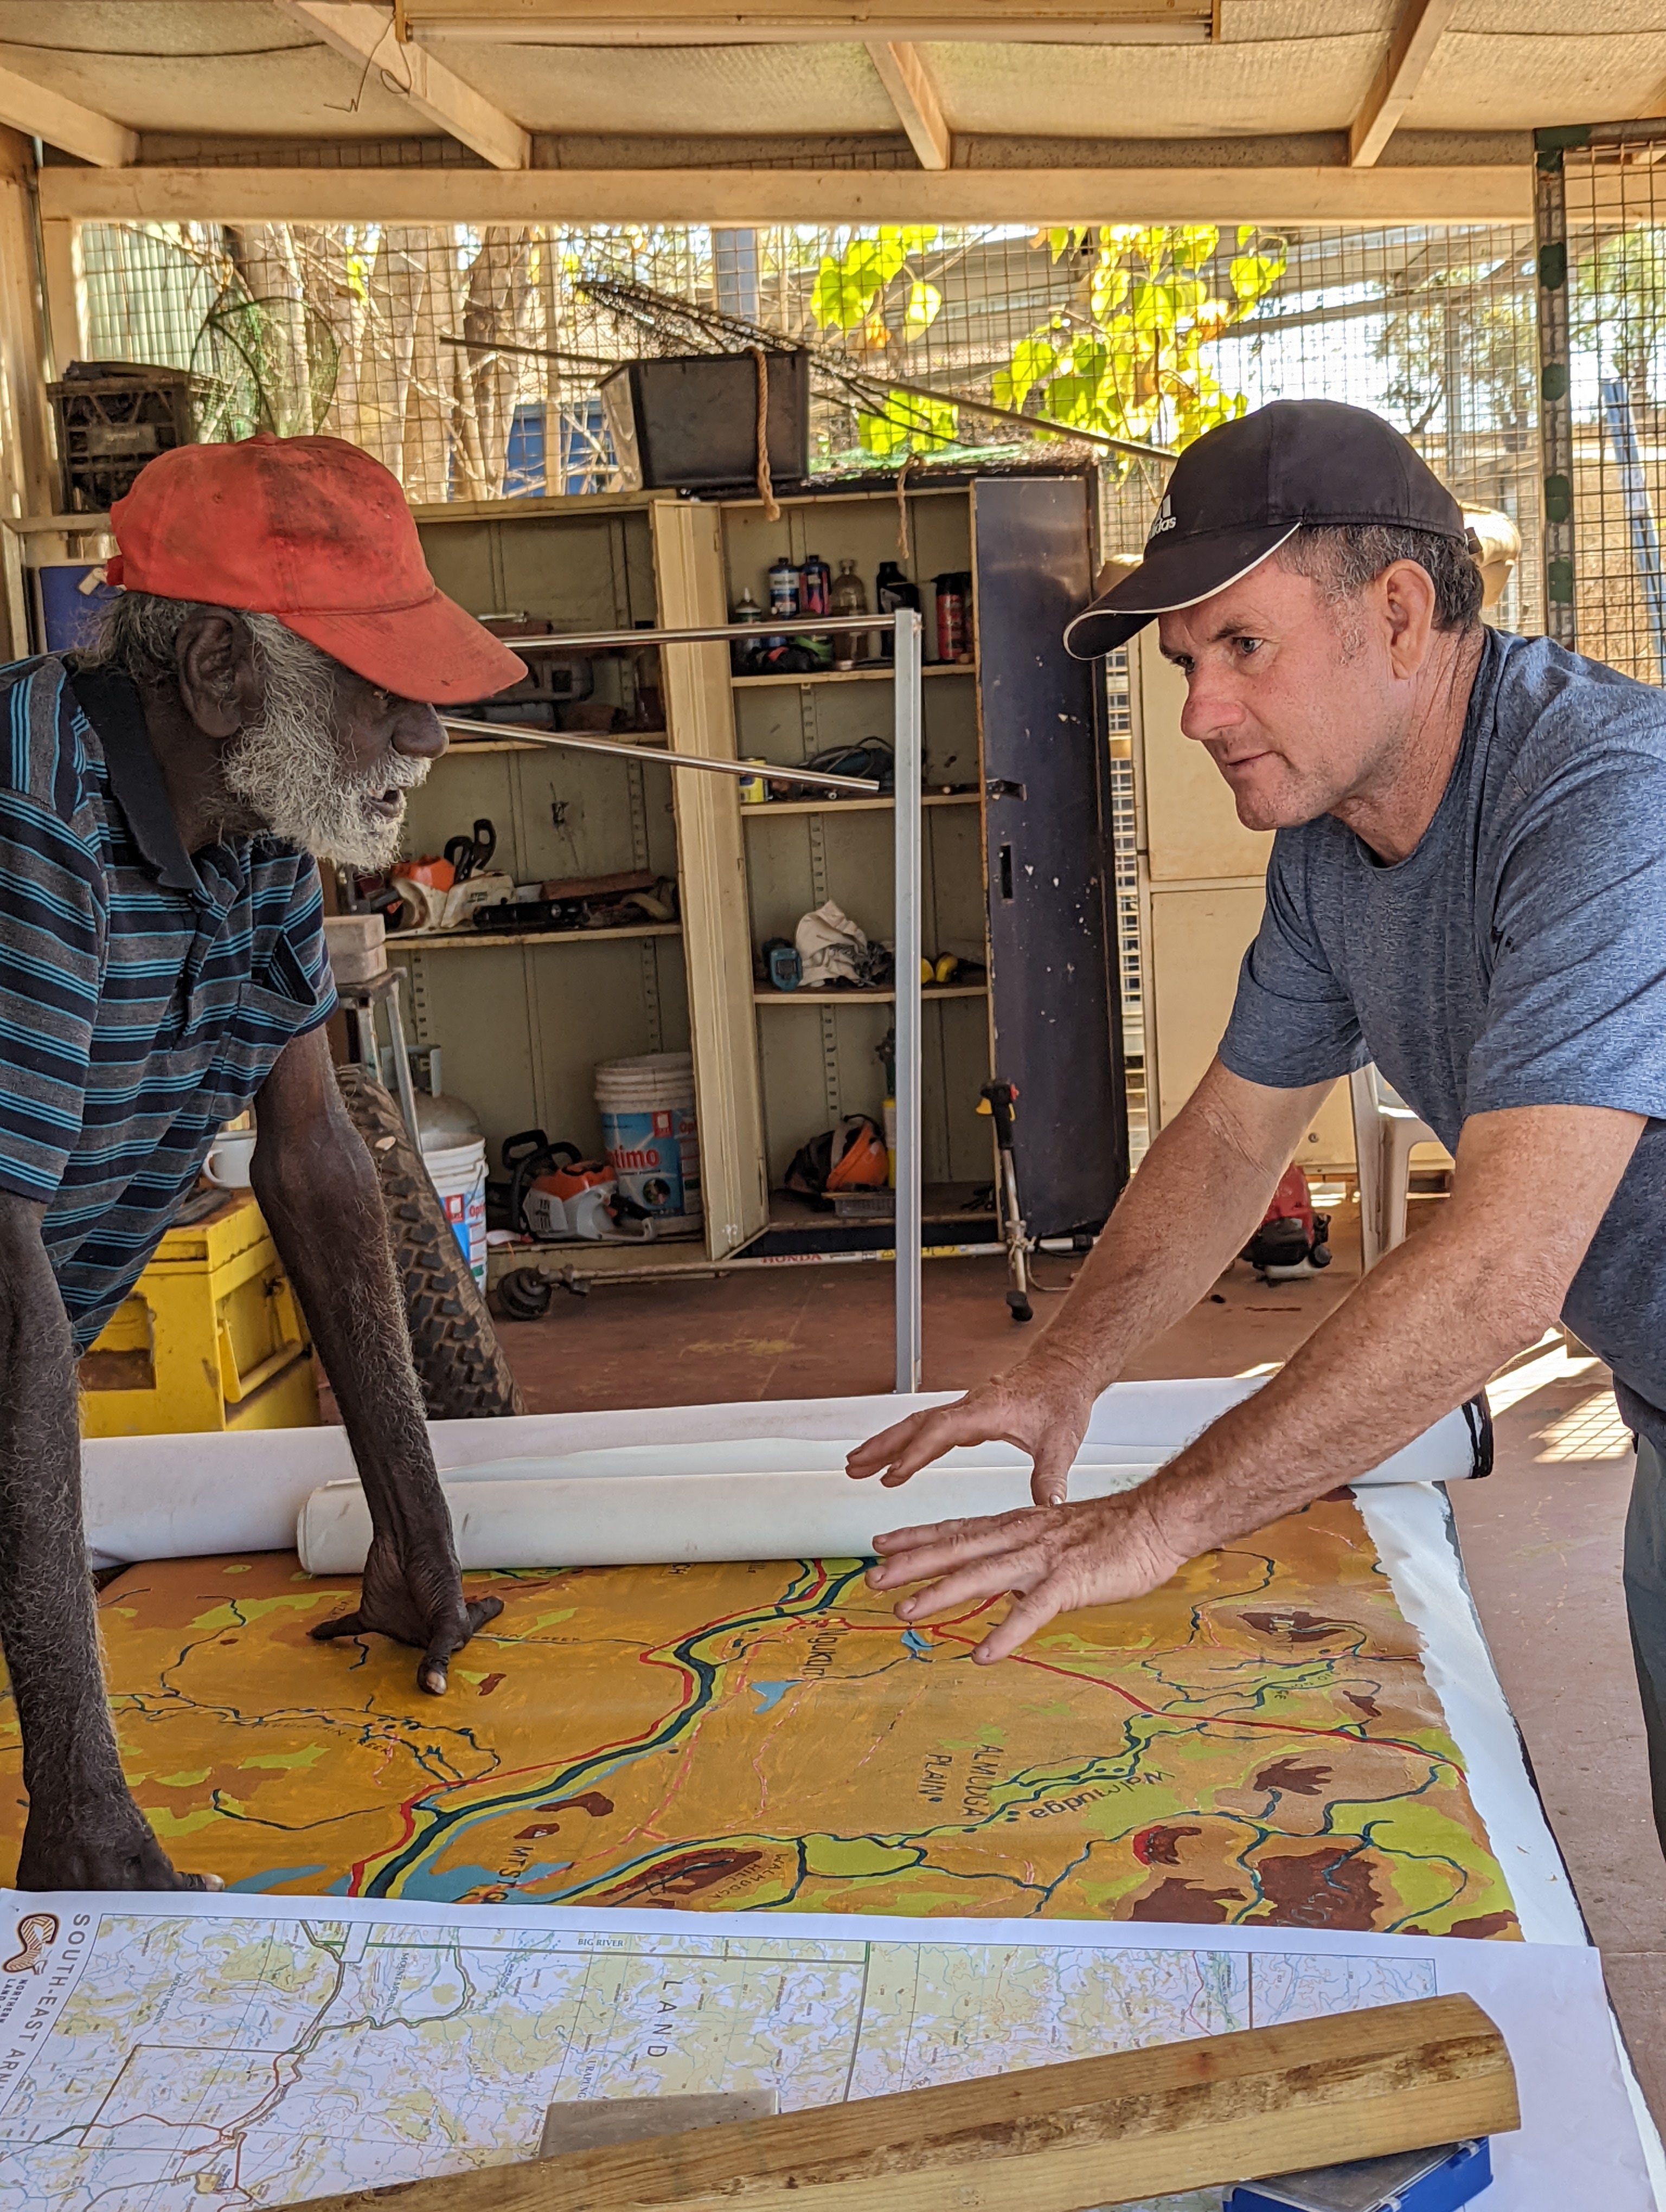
1555 394
909 772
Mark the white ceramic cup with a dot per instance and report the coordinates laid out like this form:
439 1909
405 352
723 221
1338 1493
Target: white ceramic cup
228 1158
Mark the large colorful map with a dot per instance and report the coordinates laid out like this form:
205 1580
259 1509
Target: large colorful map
1254 1743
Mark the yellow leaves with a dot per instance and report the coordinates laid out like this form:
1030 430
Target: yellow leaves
925 305
1254 275
1132 368
1214 317
908 420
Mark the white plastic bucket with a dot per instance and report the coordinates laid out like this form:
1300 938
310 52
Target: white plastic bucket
458 1173
649 1131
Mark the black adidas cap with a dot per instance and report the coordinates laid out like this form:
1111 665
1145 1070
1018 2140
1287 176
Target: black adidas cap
1235 495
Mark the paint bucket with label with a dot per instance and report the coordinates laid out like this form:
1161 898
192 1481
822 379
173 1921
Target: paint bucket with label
458 1172
648 1130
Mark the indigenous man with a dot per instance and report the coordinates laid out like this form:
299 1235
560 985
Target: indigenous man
1468 885
263 694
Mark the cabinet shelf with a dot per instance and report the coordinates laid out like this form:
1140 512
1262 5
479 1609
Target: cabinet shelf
426 940
776 807
928 990
885 675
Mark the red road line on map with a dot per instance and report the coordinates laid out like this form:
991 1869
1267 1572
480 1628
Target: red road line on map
1219 1720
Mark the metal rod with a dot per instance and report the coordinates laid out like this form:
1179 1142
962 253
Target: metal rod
1032 422
864 787
596 1277
402 1082
908 774
803 625
533 353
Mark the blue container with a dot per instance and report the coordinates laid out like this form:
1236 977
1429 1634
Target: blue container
1403 2183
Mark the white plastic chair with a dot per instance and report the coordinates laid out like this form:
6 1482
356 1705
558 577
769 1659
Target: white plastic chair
1384 1131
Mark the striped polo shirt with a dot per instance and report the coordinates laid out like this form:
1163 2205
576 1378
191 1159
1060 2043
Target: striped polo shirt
145 992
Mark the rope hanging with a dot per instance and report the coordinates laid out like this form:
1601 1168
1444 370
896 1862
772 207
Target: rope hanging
902 505
766 490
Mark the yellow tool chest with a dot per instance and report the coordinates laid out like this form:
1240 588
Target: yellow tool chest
211 1338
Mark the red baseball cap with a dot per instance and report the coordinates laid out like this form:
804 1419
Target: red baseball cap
316 533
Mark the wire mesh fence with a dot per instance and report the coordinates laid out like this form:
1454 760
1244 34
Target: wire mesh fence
1603 203
468 358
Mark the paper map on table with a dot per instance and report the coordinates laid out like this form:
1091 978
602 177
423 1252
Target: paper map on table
210 2054
1256 1742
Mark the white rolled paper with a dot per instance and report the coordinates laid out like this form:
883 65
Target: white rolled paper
169 1497
507 1519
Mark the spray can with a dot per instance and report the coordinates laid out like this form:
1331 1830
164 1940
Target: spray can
783 589
815 583
741 650
952 615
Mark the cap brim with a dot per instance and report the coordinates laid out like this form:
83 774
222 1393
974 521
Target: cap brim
432 651
1168 578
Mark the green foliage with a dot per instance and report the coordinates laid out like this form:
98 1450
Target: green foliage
847 285
1617 306
1128 358
1456 331
1130 361
910 424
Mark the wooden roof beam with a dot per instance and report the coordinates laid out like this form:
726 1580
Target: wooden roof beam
907 84
768 22
363 34
1411 49
65 124
1432 192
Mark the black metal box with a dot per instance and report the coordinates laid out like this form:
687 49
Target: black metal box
690 424
113 416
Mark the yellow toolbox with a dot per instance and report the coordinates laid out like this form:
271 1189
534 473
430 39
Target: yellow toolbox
211 1338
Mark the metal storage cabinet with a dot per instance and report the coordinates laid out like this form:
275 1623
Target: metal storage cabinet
1016 865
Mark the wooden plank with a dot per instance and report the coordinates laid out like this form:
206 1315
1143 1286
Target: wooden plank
684 23
717 947
908 83
1051 2138
1478 192
39 112
365 34
1416 35
65 287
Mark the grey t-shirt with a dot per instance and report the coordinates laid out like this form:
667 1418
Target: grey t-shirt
1516 957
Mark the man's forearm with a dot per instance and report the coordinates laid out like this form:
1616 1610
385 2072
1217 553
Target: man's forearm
48 1622
318 1193
1421 1335
1201 1191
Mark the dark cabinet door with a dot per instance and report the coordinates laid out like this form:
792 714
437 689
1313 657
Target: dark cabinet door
1054 1011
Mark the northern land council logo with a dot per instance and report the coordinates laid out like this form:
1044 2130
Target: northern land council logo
36 1934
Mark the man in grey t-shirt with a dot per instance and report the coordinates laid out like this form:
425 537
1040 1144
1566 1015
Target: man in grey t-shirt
1469 887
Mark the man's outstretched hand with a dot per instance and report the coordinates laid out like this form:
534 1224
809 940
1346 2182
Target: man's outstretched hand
1042 1406
414 1594
1053 1560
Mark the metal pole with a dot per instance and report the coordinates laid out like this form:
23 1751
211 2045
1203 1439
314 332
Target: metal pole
861 786
704 634
909 771
1555 395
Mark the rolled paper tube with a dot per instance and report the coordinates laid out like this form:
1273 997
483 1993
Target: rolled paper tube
674 1520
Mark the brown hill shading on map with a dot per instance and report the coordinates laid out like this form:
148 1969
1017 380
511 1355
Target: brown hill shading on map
1254 1742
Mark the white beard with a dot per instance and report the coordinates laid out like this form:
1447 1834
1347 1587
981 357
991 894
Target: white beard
289 768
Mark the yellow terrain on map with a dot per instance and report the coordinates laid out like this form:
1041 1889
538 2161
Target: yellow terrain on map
1254 1742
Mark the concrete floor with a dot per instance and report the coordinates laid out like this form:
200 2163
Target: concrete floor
1541 1539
